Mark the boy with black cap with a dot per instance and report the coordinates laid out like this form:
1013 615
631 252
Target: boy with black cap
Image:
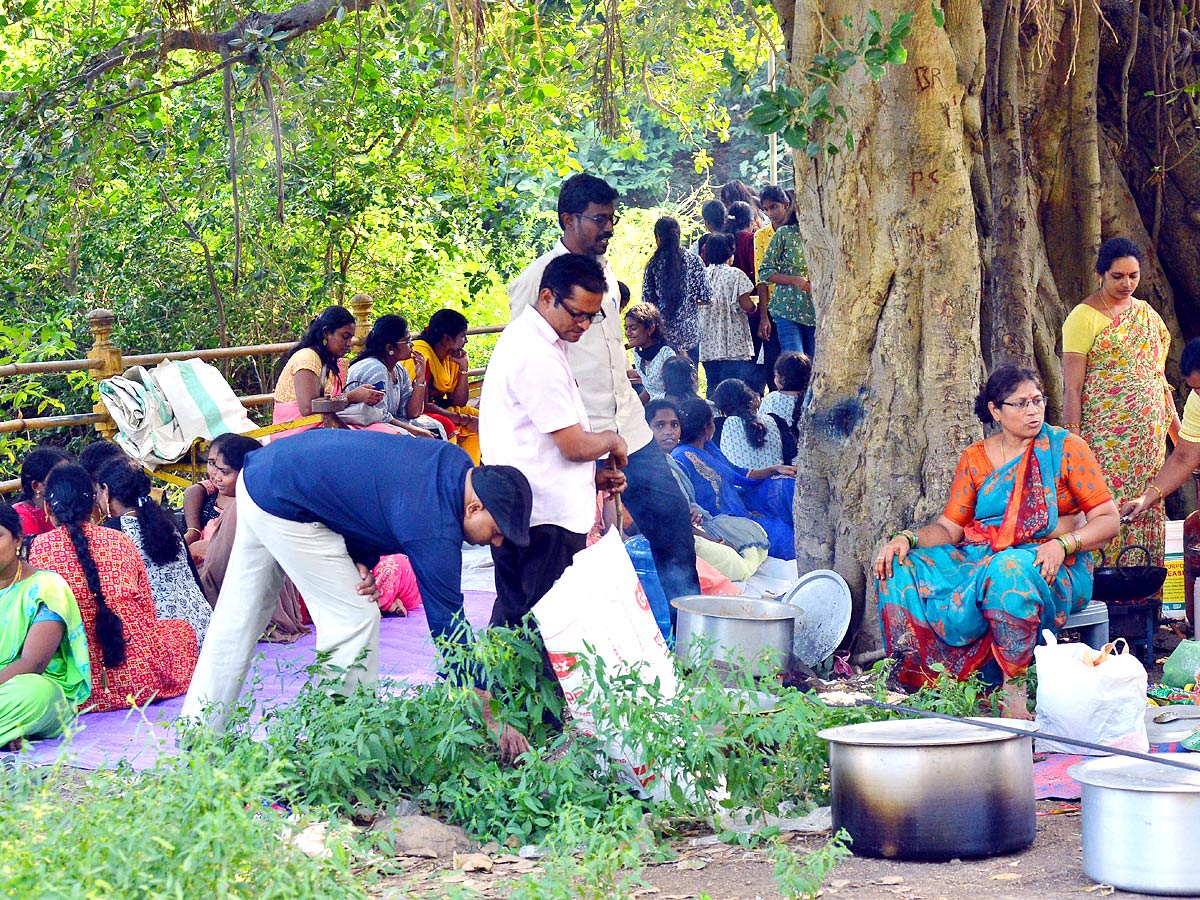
323 506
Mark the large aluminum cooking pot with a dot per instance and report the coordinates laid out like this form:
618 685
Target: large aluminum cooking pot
931 789
1139 824
755 633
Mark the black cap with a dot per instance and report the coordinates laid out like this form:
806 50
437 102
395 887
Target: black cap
505 493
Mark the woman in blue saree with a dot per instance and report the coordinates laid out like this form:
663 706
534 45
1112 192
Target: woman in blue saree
723 489
1005 559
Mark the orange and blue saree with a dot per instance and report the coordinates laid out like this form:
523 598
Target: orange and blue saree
959 607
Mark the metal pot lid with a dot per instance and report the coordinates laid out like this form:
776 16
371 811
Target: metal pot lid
742 608
923 732
823 598
1127 774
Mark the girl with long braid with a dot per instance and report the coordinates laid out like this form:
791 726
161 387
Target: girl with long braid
125 500
135 656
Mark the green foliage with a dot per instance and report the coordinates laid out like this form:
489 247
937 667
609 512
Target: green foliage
367 750
953 697
801 877
589 860
190 828
802 113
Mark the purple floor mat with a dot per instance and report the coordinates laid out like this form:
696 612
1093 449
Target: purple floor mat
140 737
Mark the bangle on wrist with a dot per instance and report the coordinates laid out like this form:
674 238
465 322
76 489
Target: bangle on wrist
1062 542
1152 487
190 530
1069 425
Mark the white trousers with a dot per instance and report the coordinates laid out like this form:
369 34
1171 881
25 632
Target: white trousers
265 547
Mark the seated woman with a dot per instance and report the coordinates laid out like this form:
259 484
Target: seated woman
316 368
448 394
124 495
378 367
793 371
644 331
764 495
210 510
747 439
31 508
735 546
135 656
44 668
680 379
1001 563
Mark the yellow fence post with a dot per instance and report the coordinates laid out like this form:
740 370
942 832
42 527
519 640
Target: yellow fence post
101 322
360 308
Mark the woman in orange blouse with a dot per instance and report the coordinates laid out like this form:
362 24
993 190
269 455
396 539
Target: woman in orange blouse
1003 561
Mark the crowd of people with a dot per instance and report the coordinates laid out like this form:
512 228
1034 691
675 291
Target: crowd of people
108 599
326 528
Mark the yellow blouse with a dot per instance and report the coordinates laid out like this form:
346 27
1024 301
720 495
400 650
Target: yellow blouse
1082 325
305 360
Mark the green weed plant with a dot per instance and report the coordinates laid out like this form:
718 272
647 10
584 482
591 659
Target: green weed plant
191 827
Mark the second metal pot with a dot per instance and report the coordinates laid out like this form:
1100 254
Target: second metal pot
931 790
1139 824
754 633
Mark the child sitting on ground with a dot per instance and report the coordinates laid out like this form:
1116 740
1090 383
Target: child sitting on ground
747 439
680 379
785 404
644 331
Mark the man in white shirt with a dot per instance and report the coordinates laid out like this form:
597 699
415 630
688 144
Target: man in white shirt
532 417
586 213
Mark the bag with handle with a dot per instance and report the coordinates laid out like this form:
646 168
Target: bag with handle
598 607
1094 695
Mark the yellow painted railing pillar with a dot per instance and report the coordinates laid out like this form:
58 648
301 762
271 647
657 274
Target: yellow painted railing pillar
360 307
100 322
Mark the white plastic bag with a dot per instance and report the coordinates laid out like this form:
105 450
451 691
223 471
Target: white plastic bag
1104 703
598 603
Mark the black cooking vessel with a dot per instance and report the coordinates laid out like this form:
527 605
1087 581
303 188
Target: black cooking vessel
1126 582
931 790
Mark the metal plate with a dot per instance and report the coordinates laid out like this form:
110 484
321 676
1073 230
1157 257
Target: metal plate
823 597
1140 775
922 732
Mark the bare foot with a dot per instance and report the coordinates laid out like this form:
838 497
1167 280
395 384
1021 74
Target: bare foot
1014 702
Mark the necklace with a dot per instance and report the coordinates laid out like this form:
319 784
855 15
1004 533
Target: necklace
1112 313
16 576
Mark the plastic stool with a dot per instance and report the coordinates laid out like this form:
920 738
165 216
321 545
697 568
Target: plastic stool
1092 623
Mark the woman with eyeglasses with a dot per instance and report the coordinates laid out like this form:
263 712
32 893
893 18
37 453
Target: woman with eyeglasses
1007 557
379 367
1114 394
442 346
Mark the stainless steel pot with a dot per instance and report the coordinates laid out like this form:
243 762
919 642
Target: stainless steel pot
931 789
1139 824
754 633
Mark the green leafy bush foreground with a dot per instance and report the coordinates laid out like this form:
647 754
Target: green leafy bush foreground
190 828
203 825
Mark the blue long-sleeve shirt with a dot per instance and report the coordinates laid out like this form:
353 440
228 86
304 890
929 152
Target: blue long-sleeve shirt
384 494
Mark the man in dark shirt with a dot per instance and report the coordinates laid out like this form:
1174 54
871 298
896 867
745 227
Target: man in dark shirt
323 506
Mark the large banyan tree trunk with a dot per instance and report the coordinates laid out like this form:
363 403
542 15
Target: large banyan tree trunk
953 238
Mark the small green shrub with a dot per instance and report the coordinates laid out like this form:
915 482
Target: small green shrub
188 828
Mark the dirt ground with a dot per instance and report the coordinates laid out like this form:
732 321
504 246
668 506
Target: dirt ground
1051 867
